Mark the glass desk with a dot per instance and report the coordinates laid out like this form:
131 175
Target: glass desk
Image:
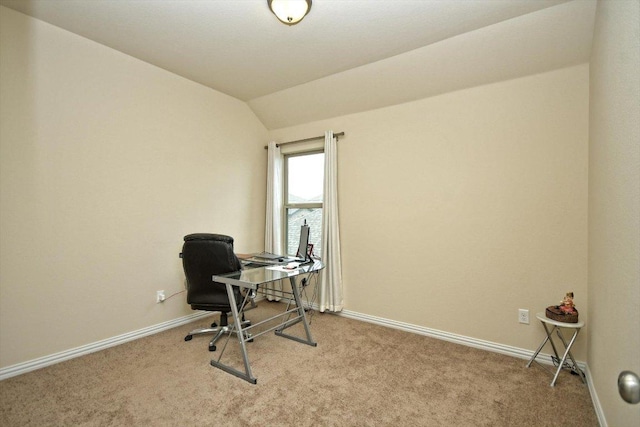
259 279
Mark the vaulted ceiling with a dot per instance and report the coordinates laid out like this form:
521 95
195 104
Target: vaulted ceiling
346 56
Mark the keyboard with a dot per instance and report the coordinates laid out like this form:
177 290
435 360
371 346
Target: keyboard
249 264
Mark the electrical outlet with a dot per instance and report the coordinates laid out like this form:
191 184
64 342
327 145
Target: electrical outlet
523 316
160 296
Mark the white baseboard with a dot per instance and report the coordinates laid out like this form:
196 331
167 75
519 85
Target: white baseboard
594 398
446 336
41 362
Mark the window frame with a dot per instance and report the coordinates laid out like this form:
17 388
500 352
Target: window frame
285 199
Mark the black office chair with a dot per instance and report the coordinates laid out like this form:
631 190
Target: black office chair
204 255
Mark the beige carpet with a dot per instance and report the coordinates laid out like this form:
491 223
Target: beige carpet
359 375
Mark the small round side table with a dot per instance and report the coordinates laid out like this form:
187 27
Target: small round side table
557 327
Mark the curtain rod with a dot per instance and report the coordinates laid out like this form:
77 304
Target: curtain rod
305 140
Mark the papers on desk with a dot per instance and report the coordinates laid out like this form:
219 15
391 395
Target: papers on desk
288 268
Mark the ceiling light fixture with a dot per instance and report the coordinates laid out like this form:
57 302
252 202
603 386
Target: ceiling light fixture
290 12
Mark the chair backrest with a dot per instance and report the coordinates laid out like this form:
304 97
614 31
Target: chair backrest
204 255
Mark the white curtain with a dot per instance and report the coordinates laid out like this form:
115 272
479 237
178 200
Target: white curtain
331 276
273 225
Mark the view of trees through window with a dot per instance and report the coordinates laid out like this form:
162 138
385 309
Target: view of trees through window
304 191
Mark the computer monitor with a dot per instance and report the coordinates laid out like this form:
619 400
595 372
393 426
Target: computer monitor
304 242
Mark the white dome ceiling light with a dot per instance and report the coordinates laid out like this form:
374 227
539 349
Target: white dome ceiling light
290 12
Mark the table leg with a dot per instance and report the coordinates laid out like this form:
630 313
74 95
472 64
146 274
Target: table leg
302 317
550 335
247 375
568 352
544 341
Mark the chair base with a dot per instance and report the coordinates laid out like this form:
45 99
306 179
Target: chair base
219 331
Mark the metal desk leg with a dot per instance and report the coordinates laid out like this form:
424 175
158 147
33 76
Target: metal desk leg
247 375
300 318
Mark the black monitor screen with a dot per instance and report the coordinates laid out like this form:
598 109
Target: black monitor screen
304 241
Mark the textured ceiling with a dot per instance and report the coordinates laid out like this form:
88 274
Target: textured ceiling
346 56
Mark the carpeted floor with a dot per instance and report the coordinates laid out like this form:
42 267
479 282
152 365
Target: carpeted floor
359 375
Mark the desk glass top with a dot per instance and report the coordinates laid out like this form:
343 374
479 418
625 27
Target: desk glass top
251 278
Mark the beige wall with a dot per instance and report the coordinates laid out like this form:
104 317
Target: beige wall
614 205
106 162
460 209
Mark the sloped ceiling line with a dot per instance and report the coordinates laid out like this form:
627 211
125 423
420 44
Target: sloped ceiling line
347 56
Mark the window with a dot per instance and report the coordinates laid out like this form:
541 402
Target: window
304 185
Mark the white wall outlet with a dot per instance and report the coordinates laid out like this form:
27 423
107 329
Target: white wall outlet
523 316
160 296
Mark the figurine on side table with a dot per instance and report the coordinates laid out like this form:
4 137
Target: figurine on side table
565 312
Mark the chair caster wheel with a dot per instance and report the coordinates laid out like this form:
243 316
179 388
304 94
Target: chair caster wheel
214 325
212 347
188 337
